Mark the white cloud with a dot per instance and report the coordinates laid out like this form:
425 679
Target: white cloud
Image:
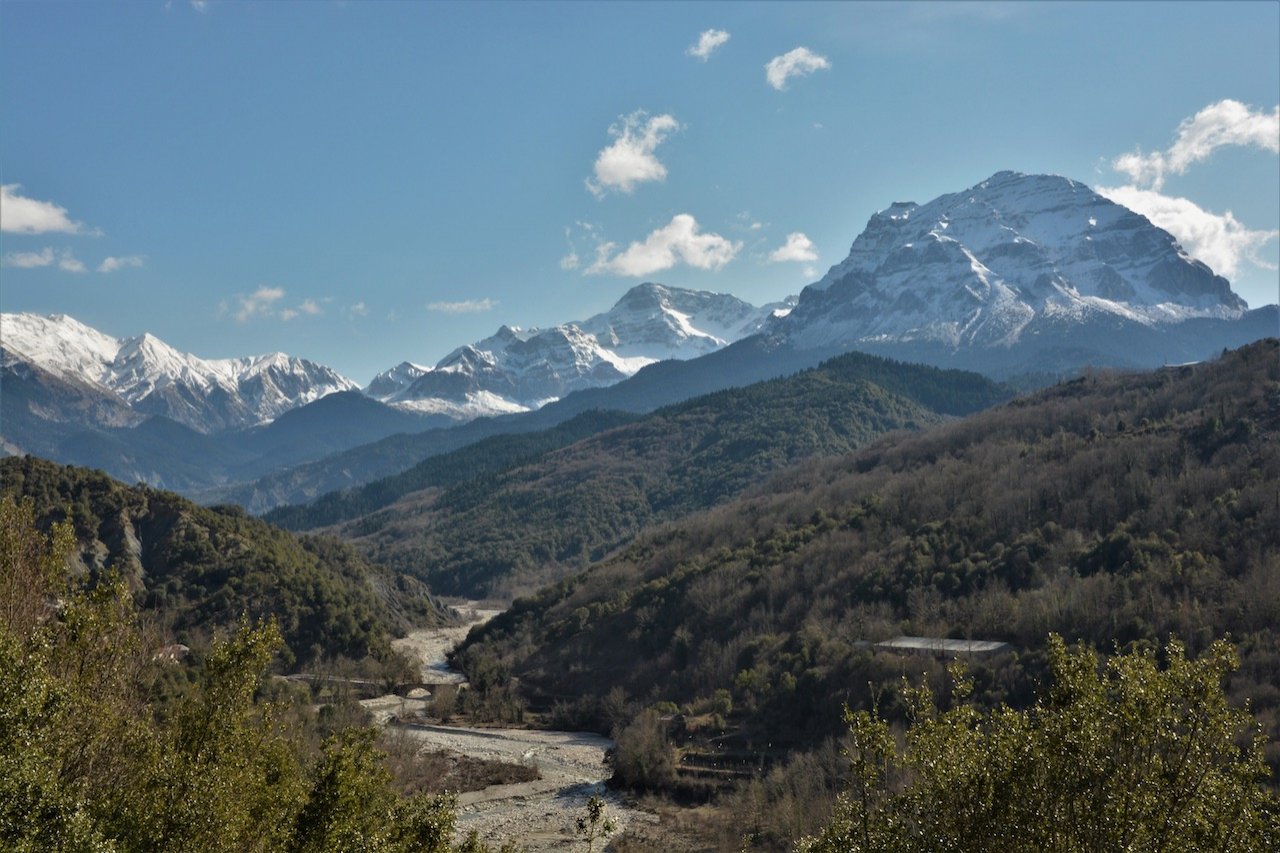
707 44
46 257
570 261
629 160
68 263
797 248
1225 123
679 241
1220 241
30 260
111 264
793 63
288 314
310 308
466 306
22 215
357 310
260 303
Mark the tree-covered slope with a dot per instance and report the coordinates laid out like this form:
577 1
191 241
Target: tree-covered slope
200 569
534 522
1114 509
485 456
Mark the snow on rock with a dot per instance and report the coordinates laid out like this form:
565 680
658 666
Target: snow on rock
154 378
521 369
978 268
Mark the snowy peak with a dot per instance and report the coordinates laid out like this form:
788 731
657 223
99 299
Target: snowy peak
388 383
658 322
58 344
153 377
520 369
982 266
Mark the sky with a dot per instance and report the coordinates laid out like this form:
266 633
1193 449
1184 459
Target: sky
364 183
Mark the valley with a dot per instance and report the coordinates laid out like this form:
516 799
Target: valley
697 526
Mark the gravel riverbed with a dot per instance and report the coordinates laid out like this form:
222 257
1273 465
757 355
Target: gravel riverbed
539 815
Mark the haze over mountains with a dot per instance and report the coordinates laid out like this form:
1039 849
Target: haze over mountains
1017 275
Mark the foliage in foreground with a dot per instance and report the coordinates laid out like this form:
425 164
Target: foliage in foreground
91 760
1129 757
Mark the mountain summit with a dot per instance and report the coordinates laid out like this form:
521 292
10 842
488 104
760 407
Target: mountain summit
1018 262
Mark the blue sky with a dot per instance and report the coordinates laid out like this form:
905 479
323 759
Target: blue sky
365 183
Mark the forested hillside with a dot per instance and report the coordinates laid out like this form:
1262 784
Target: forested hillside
486 456
1116 509
508 531
198 569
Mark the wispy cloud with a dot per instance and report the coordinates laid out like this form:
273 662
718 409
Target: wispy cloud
67 262
308 307
797 248
570 259
357 310
22 215
46 257
679 241
629 160
707 44
261 303
30 260
1220 240
1218 125
111 264
794 63
466 306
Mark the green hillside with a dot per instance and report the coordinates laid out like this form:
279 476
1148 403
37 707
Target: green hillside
199 569
508 531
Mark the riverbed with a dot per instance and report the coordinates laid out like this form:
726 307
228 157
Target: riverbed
539 815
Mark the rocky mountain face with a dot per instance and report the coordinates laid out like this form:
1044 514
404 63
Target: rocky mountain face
142 376
1018 272
522 369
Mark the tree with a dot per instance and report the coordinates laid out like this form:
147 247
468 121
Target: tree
595 825
643 757
1127 756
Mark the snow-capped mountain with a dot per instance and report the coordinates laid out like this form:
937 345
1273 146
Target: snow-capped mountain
518 370
152 378
1017 262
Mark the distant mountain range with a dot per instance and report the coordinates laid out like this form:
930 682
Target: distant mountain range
1020 275
146 376
517 370
144 411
